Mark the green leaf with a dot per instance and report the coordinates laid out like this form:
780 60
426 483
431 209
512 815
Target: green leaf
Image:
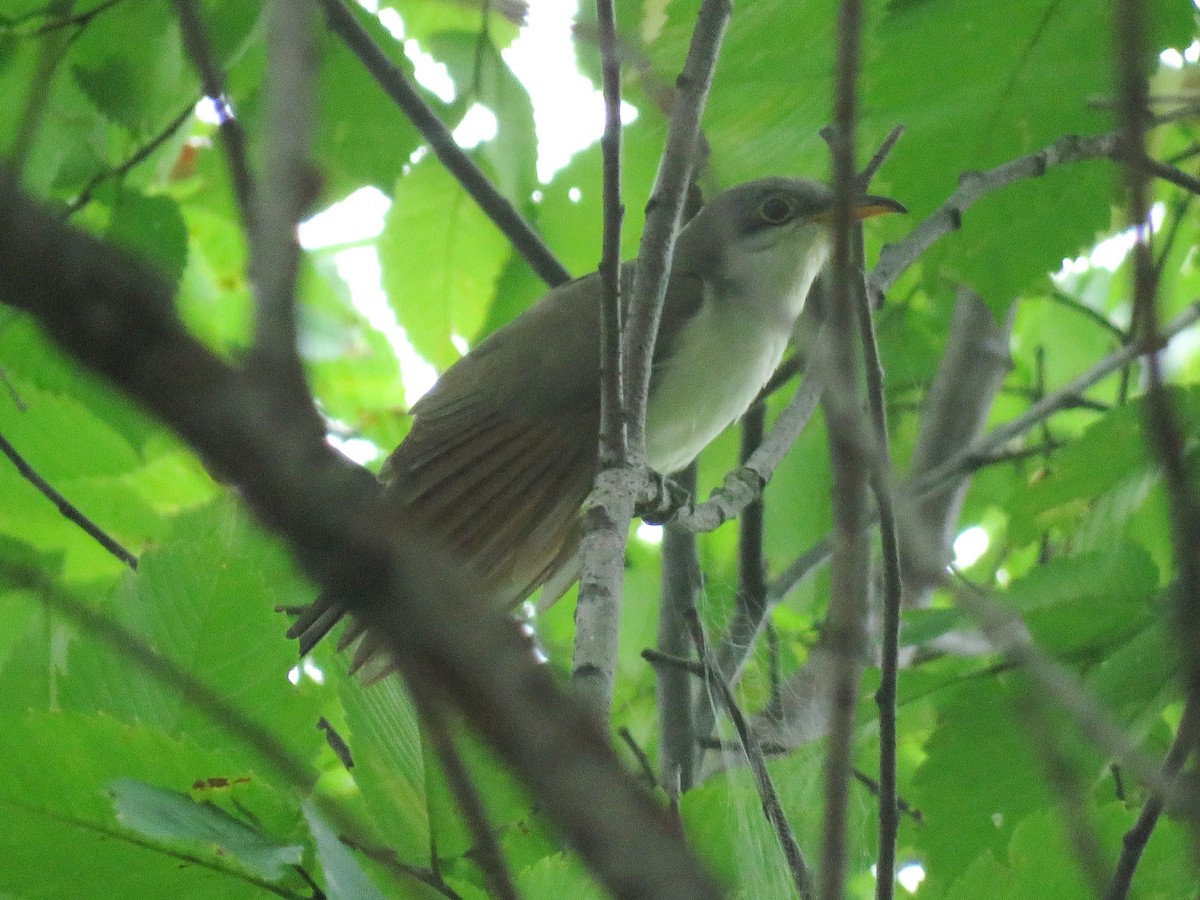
55 782
344 877
385 737
484 77
205 599
153 229
980 773
175 819
139 90
441 257
362 136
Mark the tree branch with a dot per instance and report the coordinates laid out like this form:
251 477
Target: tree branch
117 317
233 138
66 507
289 189
610 506
845 625
395 84
681 582
664 213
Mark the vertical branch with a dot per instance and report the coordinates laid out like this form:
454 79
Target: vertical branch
1164 431
609 509
233 138
844 629
613 447
664 213
885 697
1165 434
289 188
678 751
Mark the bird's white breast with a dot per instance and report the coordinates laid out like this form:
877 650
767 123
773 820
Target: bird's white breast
726 353
719 365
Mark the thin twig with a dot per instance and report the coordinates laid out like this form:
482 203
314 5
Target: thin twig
143 153
659 659
772 808
1177 177
1135 839
885 696
613 447
877 160
233 137
639 754
486 851
395 84
901 804
65 506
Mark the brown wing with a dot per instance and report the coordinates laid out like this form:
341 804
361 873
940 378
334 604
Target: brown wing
502 450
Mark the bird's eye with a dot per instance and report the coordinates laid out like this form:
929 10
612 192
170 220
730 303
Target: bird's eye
777 209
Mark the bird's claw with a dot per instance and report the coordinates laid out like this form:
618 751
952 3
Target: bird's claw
662 499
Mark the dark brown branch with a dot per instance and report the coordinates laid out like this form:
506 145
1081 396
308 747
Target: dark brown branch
845 628
395 84
118 318
1162 422
66 507
233 137
885 696
1136 838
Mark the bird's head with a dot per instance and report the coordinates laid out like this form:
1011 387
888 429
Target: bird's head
763 242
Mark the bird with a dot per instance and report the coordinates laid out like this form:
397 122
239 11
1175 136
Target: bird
503 449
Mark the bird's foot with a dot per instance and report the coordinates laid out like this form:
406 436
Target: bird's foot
662 499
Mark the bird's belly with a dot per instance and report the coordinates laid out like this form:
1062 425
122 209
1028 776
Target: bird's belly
712 377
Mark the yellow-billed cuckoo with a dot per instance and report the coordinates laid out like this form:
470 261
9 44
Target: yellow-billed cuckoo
503 449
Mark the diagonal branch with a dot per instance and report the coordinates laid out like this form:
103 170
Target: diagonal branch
69 510
117 317
396 85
